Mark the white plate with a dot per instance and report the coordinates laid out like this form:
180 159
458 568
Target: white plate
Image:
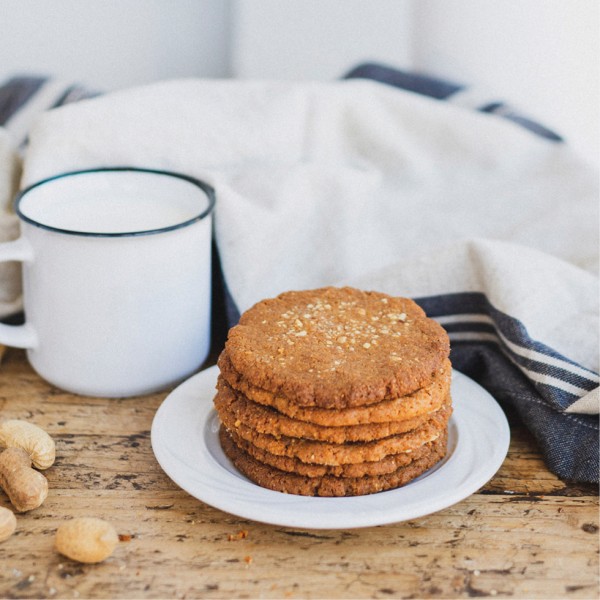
186 445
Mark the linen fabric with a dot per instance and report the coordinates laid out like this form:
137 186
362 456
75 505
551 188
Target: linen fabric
491 227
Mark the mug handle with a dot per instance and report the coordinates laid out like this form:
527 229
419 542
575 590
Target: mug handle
17 336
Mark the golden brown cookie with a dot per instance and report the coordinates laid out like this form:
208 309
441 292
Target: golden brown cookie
264 419
424 401
327 485
337 347
326 453
389 464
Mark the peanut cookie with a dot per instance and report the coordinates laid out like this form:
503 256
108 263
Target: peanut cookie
264 419
424 401
326 453
337 347
387 465
327 485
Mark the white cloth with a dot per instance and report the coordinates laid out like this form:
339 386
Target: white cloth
355 181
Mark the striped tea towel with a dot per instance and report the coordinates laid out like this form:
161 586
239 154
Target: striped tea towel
491 228
487 343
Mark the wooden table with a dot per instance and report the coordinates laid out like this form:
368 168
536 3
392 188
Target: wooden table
525 534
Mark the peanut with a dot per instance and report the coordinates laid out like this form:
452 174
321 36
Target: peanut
31 438
86 539
25 487
8 523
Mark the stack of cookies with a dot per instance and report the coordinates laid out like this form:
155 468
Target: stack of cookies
334 392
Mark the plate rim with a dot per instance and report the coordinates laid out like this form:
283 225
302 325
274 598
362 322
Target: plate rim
372 507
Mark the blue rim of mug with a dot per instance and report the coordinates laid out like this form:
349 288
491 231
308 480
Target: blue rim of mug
207 189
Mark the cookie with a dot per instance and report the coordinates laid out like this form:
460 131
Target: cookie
327 485
337 347
384 466
326 453
263 419
334 392
424 401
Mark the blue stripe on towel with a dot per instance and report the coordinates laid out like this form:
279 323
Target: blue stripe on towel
15 92
560 380
412 82
442 89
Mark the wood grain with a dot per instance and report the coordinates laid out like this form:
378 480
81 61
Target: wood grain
525 534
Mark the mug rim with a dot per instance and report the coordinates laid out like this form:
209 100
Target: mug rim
205 187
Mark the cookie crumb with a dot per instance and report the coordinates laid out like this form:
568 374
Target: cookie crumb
242 534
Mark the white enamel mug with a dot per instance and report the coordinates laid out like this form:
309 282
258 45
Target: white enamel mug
116 279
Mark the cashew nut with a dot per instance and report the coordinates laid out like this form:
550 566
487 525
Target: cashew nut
86 539
25 487
8 523
35 441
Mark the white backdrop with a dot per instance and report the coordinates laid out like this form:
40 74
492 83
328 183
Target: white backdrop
316 39
108 44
